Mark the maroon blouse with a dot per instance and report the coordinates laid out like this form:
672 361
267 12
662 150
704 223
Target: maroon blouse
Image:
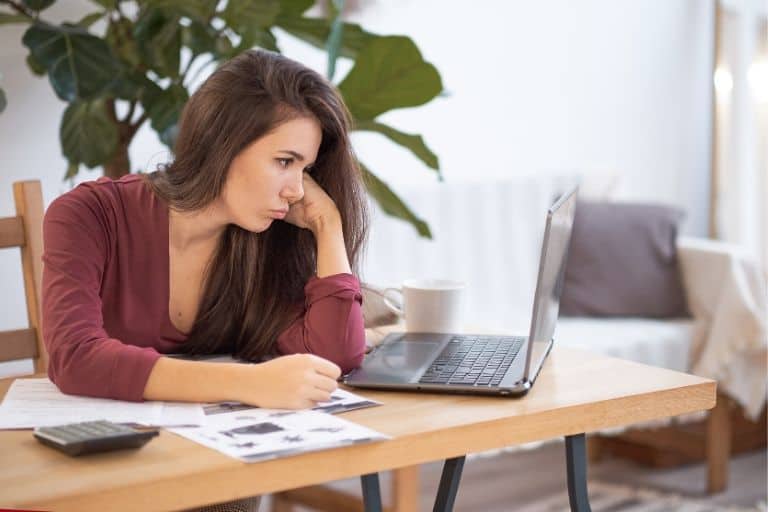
106 291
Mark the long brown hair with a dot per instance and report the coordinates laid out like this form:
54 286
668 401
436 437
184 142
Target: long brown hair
253 286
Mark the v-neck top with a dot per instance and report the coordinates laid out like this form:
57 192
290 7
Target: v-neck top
105 294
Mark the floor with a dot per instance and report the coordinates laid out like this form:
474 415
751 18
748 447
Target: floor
489 484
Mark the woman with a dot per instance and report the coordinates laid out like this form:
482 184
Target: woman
243 245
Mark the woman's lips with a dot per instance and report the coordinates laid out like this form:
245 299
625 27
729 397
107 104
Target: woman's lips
279 214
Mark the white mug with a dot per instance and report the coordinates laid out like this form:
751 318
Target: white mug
429 305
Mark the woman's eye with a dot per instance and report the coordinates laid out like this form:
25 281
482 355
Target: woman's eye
285 162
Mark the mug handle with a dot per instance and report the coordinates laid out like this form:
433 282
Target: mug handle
395 308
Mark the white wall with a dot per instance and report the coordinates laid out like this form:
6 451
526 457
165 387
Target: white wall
546 87
551 86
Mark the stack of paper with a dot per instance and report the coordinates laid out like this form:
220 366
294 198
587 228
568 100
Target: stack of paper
39 403
242 431
254 434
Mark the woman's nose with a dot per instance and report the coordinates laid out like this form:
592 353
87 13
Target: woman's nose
294 190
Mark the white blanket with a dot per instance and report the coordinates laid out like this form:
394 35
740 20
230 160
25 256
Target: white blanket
726 291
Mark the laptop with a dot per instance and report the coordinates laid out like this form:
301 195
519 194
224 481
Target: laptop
479 364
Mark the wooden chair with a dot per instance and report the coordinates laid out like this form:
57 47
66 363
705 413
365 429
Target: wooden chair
25 231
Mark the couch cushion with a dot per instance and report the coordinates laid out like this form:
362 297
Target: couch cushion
663 343
622 262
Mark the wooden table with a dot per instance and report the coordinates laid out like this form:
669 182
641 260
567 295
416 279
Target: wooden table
577 392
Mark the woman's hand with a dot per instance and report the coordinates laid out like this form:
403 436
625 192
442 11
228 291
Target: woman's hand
315 210
297 381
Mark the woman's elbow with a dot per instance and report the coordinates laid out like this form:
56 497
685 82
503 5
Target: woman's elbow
354 349
68 377
351 362
64 380
347 355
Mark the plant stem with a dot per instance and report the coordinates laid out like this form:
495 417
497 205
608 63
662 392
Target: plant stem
129 115
21 9
135 126
119 164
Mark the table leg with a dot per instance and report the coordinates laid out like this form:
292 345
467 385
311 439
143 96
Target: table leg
449 484
371 492
576 465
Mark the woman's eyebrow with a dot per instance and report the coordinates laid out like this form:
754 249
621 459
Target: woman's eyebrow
297 156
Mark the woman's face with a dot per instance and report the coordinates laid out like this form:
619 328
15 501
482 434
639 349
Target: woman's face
266 177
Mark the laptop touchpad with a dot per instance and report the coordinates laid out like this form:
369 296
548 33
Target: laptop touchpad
400 361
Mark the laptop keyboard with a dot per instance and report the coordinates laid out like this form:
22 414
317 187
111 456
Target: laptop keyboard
473 360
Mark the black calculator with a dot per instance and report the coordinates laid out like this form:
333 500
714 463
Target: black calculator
92 437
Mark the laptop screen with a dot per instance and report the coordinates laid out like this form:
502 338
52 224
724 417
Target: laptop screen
554 252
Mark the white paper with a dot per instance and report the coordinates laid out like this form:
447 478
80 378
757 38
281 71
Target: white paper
178 414
341 401
38 403
253 435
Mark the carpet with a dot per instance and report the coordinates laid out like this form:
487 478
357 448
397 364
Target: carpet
617 498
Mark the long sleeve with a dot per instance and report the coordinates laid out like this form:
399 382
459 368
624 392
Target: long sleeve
84 358
332 323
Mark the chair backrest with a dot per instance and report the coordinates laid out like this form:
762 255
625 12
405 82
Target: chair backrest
25 231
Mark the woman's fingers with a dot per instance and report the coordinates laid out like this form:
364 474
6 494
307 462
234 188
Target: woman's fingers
319 395
324 383
325 367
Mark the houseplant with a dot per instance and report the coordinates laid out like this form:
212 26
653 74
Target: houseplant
131 62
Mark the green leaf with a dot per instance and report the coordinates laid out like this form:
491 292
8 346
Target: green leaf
295 7
72 169
38 5
315 31
244 15
164 106
199 10
202 39
158 34
3 101
224 46
87 133
90 19
79 65
120 38
7 19
389 73
35 66
129 85
254 36
199 38
391 204
414 143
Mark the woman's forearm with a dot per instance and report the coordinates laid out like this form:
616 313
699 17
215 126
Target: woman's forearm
289 382
193 381
331 250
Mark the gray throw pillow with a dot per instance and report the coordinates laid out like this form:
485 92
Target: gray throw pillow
622 261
